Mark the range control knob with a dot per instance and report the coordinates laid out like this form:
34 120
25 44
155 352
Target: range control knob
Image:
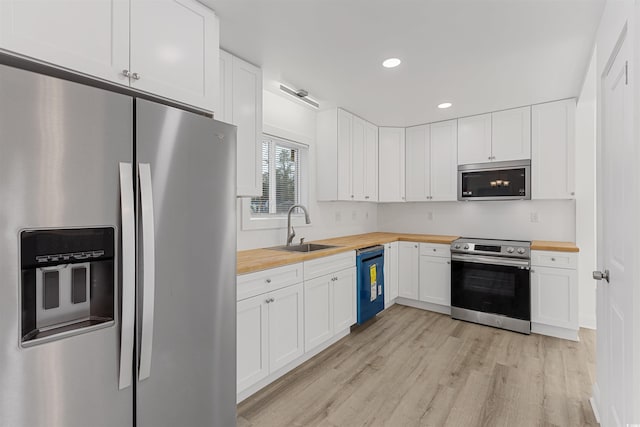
521 251
457 246
466 247
510 249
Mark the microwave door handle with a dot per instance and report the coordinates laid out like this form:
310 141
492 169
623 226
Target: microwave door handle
128 257
148 248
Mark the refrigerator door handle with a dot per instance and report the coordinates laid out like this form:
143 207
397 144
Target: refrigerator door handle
149 268
128 274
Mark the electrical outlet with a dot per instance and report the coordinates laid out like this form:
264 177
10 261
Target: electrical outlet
535 217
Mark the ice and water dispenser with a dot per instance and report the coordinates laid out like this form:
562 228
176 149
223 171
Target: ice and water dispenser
68 282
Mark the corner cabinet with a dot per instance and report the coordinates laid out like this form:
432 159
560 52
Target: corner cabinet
495 137
167 48
347 156
241 105
431 158
391 171
553 150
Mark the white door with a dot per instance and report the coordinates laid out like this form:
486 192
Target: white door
318 311
174 50
357 158
286 331
443 161
252 341
474 139
345 123
391 177
91 37
408 269
344 299
618 202
511 134
247 116
371 162
417 169
435 280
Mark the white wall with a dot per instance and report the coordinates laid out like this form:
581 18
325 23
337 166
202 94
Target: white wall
287 118
499 220
586 195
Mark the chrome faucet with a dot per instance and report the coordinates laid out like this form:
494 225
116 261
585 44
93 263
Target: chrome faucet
291 232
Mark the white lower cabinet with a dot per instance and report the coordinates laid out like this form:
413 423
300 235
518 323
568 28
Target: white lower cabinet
270 333
408 270
435 280
390 273
554 295
329 306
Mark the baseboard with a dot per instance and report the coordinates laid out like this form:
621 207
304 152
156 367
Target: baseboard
422 305
292 365
390 303
595 402
554 331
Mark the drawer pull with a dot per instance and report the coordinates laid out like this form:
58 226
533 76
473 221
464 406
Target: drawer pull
553 259
268 280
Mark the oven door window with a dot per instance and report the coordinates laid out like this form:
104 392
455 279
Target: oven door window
492 289
494 183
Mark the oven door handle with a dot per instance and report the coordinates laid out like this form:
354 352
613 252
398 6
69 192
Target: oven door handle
479 259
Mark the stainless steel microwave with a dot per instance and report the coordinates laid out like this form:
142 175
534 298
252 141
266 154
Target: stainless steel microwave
495 181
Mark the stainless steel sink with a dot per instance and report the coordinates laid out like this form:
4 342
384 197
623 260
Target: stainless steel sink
306 247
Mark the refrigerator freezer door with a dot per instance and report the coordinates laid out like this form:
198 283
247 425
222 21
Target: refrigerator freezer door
192 369
60 148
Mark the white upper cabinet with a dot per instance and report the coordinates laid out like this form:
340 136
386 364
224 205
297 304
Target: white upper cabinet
174 50
347 156
391 175
241 105
370 162
431 158
417 157
87 36
443 161
495 137
474 139
511 134
225 108
553 150
168 48
247 116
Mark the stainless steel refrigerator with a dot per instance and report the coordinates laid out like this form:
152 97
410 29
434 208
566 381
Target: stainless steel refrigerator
117 263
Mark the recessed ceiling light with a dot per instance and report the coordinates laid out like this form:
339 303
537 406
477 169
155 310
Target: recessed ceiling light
391 62
445 105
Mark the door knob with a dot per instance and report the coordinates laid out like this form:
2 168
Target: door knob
599 275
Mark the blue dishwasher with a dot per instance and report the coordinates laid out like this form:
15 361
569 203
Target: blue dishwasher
370 262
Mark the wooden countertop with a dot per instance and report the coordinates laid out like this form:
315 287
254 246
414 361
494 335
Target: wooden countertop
547 245
261 259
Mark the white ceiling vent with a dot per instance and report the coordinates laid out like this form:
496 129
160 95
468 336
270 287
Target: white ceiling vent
300 94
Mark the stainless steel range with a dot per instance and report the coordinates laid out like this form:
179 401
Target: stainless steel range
490 283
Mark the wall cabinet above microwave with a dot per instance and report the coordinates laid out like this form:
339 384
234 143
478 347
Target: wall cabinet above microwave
167 48
495 137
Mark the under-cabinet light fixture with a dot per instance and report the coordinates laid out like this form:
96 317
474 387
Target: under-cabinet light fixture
300 94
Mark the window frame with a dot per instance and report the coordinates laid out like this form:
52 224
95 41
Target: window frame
279 220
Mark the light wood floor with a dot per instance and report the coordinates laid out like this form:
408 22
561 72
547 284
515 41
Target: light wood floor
417 368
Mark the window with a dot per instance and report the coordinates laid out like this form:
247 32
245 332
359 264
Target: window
283 168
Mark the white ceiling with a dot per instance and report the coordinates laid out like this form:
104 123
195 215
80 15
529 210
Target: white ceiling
481 55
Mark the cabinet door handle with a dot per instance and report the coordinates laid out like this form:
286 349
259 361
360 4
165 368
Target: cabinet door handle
553 259
448 262
489 158
126 73
434 249
135 76
268 280
366 197
416 246
573 193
